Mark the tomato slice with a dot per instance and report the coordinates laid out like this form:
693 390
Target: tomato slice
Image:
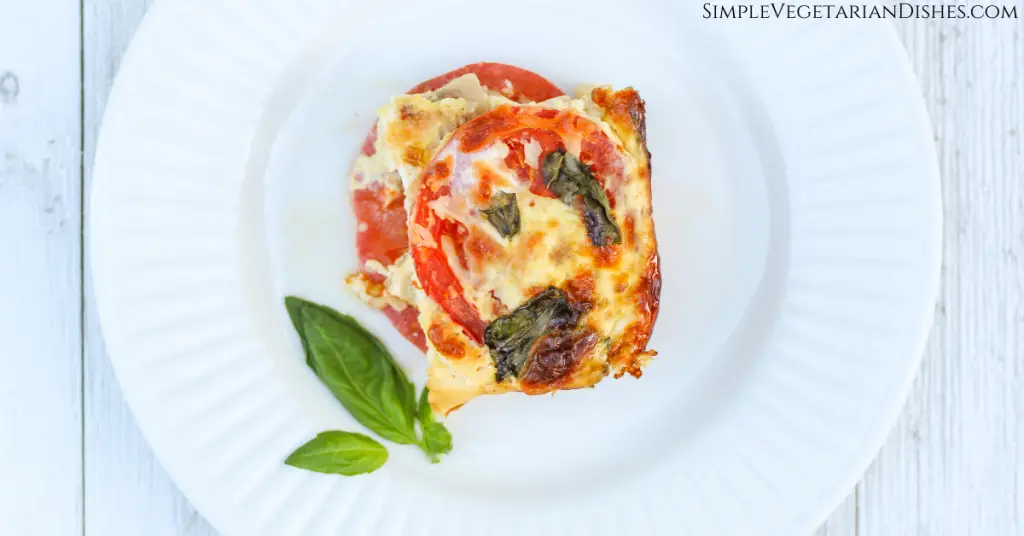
517 84
431 262
381 219
515 127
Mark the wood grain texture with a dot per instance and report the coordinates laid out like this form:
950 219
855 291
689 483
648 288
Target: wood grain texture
842 522
953 464
128 493
40 269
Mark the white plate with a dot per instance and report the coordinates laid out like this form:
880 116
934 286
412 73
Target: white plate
797 208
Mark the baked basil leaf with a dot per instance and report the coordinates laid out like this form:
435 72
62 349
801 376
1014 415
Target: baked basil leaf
341 453
437 440
597 218
503 214
551 170
358 370
568 178
511 337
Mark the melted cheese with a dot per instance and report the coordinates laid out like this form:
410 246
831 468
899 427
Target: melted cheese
552 247
374 293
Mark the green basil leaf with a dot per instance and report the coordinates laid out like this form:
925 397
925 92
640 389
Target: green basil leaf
503 214
511 337
568 178
341 453
360 372
437 440
294 306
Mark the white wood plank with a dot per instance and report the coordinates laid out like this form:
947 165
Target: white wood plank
128 493
953 465
842 522
40 269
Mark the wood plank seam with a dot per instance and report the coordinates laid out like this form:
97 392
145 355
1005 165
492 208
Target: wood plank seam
81 228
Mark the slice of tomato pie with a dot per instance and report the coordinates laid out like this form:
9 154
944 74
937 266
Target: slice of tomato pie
530 261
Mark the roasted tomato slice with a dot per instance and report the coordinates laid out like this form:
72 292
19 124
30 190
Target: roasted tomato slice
380 215
505 144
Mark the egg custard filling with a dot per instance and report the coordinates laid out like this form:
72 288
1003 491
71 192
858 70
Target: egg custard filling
511 238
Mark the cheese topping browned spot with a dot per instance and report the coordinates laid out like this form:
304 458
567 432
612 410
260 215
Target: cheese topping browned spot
449 345
415 155
554 357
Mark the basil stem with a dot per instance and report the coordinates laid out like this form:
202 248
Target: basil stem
437 440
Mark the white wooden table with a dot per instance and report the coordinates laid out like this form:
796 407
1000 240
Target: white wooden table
73 462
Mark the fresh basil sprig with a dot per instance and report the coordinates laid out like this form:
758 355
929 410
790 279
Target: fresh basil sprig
342 453
361 373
